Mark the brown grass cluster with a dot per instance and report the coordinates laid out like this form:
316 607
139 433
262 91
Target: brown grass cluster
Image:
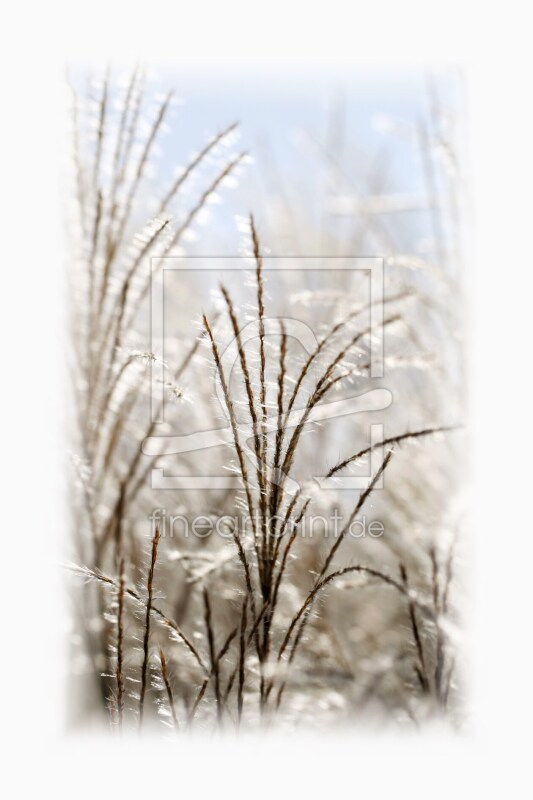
239 640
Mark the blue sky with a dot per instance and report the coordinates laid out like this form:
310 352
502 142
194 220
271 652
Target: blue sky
288 124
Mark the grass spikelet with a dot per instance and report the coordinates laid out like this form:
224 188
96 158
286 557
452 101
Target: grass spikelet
421 670
168 687
146 639
120 644
97 575
262 404
247 385
215 669
359 505
192 166
392 440
274 489
242 657
212 656
233 420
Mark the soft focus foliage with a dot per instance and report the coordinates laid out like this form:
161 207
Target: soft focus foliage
272 622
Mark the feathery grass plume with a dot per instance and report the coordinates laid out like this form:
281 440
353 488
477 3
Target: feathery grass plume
302 614
286 552
192 166
247 385
120 643
420 668
358 506
324 382
321 584
242 659
176 237
274 488
281 386
305 609
252 633
435 577
440 603
264 556
141 166
168 687
128 491
246 568
262 404
233 421
363 569
261 319
323 386
392 440
273 604
110 175
324 341
101 128
212 656
286 521
146 639
117 173
242 359
448 576
97 575
115 328
214 671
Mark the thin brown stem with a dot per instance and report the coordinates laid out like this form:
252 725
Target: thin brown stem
311 597
222 652
195 162
120 644
421 669
242 657
233 421
100 577
214 661
146 639
168 687
392 440
262 404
